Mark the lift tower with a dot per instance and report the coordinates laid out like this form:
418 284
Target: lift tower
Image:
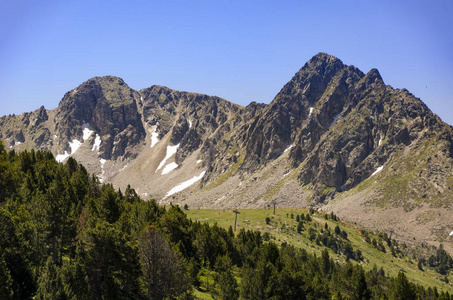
235 217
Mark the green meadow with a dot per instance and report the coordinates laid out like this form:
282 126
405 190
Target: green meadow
282 228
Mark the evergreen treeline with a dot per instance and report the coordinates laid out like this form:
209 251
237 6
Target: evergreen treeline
65 236
441 261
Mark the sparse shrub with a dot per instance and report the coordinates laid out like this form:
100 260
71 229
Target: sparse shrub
333 216
381 246
337 230
344 235
420 265
348 251
358 255
300 227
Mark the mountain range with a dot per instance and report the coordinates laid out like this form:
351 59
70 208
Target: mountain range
334 138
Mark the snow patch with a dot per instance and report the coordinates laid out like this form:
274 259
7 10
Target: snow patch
451 233
141 98
309 113
170 151
289 147
74 145
170 167
18 143
284 175
184 185
154 137
190 124
86 131
61 157
102 161
199 161
380 141
97 143
335 120
377 170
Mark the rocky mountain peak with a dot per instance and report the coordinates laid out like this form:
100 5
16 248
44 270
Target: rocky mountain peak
373 77
323 66
330 133
108 106
321 63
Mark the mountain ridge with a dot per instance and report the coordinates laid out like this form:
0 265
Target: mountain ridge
331 134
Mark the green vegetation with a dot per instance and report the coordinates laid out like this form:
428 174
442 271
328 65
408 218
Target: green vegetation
405 186
272 192
441 261
372 250
65 236
224 177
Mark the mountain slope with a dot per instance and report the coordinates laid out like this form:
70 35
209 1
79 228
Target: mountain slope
333 138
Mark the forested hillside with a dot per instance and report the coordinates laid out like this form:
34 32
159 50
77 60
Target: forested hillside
63 235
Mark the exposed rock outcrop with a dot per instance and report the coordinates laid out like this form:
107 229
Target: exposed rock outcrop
331 133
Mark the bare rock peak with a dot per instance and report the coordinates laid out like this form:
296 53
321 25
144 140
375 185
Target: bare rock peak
373 76
322 56
332 126
324 59
107 78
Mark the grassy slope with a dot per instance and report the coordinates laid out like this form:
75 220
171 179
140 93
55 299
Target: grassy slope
283 229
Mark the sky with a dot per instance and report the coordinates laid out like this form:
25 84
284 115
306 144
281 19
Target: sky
241 51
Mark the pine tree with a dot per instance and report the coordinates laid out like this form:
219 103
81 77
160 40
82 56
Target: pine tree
401 288
226 286
6 290
164 274
111 262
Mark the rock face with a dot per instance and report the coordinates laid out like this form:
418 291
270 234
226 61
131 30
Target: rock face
189 118
109 107
333 137
339 124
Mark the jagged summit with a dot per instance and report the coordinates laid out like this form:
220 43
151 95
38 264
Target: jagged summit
110 89
373 76
106 79
333 138
321 61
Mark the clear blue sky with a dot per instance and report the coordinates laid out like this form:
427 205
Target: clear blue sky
242 51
